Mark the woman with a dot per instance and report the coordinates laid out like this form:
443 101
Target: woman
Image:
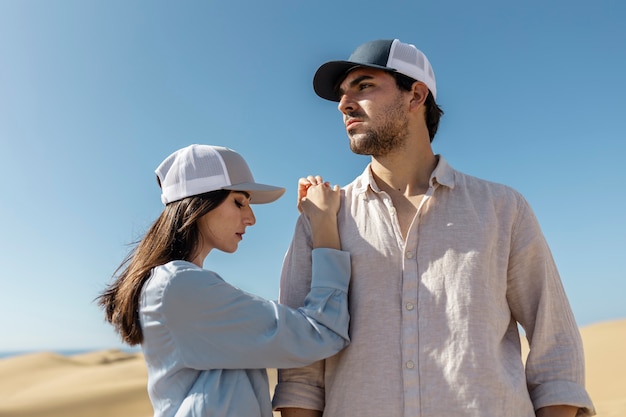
205 342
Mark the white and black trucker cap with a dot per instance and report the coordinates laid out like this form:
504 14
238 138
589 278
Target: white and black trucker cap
389 55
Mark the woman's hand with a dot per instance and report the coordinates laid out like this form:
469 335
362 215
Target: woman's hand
320 203
316 197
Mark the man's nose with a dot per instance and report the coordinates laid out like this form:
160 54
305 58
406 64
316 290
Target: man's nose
346 103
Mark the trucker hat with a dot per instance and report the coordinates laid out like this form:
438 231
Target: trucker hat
199 169
389 55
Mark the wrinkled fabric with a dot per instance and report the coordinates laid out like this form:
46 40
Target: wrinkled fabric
434 319
207 343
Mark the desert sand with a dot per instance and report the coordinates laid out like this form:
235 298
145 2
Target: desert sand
113 383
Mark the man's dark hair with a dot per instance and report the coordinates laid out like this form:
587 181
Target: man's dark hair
433 111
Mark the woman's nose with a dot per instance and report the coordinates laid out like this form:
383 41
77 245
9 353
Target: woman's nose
249 219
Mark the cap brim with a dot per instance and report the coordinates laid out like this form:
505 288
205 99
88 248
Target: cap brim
259 193
328 76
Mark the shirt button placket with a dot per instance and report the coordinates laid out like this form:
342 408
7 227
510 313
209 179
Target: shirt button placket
410 331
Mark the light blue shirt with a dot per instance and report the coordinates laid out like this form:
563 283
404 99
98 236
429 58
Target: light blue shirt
207 343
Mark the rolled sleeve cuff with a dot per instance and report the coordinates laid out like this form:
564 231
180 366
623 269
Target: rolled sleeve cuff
298 395
563 393
331 269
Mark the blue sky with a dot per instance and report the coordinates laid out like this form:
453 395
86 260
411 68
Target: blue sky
94 94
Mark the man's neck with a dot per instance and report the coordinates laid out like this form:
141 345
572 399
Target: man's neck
407 173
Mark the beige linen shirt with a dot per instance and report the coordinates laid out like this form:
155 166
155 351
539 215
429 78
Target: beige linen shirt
434 319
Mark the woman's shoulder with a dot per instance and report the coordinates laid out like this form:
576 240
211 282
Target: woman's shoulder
178 266
181 273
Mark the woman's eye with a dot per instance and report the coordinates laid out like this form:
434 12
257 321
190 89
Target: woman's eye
239 204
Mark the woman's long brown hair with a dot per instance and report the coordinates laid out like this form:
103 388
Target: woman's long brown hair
173 236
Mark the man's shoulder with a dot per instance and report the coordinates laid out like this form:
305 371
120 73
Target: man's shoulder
474 183
359 184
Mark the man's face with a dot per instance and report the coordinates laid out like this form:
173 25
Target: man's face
375 111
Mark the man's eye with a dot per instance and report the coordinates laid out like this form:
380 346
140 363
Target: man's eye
239 203
364 86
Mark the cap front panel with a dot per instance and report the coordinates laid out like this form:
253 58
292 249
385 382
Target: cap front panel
373 53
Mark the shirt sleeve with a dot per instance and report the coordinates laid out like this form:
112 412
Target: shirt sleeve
299 387
555 365
217 326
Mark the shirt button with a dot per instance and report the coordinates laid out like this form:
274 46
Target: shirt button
410 306
392 210
409 255
410 365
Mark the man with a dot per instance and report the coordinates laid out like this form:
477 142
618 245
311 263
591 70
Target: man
444 267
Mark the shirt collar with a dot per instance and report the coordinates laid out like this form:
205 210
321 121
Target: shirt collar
443 174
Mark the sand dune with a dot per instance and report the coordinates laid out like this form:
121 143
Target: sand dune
113 383
109 383
605 359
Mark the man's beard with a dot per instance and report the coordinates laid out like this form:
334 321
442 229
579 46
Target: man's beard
381 140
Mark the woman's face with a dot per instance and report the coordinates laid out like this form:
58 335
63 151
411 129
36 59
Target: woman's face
223 227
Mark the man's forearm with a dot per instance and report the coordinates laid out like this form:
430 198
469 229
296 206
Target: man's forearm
552 411
299 412
557 411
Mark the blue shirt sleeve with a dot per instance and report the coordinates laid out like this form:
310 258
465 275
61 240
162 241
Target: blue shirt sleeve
215 325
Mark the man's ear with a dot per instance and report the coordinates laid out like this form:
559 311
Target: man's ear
420 92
